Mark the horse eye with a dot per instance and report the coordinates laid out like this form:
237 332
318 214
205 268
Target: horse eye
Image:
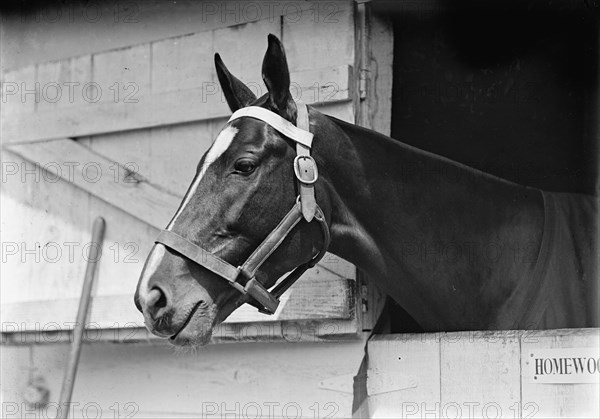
244 166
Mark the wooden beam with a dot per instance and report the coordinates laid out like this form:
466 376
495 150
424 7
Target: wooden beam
307 331
103 178
325 85
303 302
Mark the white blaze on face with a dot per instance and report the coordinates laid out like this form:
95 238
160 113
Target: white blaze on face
154 259
219 146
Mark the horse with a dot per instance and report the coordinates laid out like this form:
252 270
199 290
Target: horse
456 248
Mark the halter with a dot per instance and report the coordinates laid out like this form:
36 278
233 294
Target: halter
243 278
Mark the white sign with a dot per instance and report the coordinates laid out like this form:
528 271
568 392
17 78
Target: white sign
564 365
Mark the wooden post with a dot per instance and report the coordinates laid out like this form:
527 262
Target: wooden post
84 303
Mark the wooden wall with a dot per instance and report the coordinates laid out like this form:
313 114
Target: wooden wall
481 374
127 130
129 155
154 381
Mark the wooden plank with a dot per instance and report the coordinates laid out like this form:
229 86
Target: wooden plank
310 331
98 175
404 375
380 75
183 62
371 301
42 237
242 48
316 296
220 381
154 110
332 23
323 86
175 152
121 76
20 93
64 83
477 374
480 374
559 400
374 112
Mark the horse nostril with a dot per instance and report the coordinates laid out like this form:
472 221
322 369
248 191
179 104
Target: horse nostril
156 302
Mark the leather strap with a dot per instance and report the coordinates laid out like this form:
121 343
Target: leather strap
272 242
246 273
289 280
293 276
280 124
199 255
220 267
305 168
243 278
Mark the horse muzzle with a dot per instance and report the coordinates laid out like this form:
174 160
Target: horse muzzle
188 324
175 306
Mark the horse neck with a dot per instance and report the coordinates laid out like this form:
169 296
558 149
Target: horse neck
428 230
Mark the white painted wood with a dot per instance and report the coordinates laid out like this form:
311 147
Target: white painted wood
173 81
242 49
102 177
412 366
475 374
182 63
159 133
480 374
64 83
152 110
159 381
121 76
315 296
559 400
20 94
38 231
332 24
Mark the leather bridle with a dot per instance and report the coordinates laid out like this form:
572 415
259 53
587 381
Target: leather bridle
243 278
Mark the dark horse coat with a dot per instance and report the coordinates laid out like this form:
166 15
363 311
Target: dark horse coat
563 290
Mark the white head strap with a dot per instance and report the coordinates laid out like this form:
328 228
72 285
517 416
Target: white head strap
305 166
280 124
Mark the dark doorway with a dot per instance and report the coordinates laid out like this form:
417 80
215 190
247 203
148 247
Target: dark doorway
507 87
504 87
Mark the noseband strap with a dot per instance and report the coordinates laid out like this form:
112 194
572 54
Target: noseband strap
243 278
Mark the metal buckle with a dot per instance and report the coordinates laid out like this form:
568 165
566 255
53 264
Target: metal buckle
303 165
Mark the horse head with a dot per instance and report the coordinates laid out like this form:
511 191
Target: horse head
243 188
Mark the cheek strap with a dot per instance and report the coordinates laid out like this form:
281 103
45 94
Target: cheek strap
305 167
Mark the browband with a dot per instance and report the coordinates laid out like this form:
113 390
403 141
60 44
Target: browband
302 136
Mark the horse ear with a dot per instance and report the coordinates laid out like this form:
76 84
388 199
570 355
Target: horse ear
237 94
276 76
